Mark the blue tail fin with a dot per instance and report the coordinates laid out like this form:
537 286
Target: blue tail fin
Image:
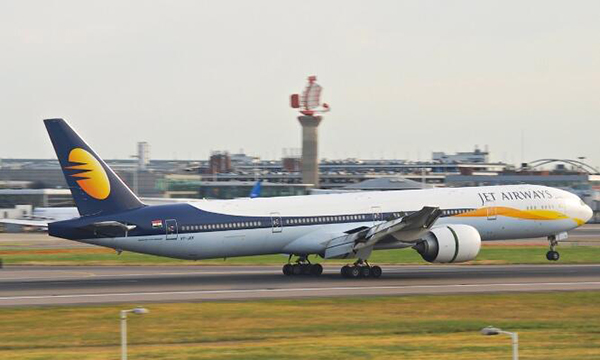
96 189
256 190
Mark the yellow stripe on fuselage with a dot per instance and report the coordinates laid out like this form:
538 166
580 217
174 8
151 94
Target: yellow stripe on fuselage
542 215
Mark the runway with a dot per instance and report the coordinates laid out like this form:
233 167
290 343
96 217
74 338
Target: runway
60 285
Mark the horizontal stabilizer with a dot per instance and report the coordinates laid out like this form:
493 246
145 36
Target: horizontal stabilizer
42 224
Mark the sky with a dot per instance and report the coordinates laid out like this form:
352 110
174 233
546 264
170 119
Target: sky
403 78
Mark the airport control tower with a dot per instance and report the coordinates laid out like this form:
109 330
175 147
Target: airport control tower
309 105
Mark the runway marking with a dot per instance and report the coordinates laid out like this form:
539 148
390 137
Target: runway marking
147 274
319 289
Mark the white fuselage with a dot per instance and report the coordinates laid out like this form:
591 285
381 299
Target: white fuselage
304 224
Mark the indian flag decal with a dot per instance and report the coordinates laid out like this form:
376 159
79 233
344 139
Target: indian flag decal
157 224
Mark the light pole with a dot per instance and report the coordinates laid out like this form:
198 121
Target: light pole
490 330
137 311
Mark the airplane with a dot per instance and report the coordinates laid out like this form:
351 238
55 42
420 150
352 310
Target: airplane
444 225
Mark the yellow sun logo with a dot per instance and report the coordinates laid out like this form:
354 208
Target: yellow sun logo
92 177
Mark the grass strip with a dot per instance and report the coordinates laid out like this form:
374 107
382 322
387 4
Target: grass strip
550 325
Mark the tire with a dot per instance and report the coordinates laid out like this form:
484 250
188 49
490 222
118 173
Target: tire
365 271
287 269
306 269
354 272
316 269
345 271
296 269
552 255
376 272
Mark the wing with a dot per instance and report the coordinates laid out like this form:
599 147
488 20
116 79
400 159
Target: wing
409 228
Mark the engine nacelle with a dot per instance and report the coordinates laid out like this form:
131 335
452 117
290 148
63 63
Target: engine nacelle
450 244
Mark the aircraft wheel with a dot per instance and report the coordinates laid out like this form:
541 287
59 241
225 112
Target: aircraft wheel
296 269
287 269
355 272
376 271
552 255
306 269
365 271
345 271
316 269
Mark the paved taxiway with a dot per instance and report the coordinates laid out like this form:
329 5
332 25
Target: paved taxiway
53 285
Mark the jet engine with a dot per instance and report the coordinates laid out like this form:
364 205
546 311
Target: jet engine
450 244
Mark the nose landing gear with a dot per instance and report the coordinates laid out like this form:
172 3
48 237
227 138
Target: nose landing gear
552 255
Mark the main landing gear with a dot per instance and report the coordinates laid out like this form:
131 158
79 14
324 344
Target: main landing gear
302 267
361 269
552 255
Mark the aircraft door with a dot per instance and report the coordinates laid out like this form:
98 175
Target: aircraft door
276 223
171 229
376 211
